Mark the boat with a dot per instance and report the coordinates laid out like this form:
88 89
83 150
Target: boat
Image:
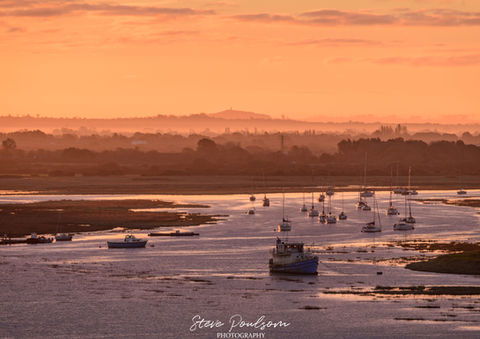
342 215
391 210
6 240
360 204
252 198
366 192
285 225
461 192
373 226
63 237
251 211
330 218
403 226
266 201
365 207
291 257
35 239
321 197
312 213
177 233
322 218
330 191
304 207
130 241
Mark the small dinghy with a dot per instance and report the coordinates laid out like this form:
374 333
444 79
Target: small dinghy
130 241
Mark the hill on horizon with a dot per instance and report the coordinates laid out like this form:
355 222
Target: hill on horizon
232 114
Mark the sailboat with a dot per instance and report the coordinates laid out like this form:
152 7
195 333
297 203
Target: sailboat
252 196
373 226
366 193
398 189
331 219
291 257
322 218
266 201
405 224
391 210
461 191
313 212
304 207
342 215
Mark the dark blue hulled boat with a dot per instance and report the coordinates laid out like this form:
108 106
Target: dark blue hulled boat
290 257
130 241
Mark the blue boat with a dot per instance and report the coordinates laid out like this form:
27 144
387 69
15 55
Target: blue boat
290 257
130 241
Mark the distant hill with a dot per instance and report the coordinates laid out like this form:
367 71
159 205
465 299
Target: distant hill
232 114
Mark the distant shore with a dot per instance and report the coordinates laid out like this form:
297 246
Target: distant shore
135 184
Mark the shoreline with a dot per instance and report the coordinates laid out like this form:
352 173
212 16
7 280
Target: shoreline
212 185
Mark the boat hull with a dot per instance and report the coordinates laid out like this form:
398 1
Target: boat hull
303 267
137 244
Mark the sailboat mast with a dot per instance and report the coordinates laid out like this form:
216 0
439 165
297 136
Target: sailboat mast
365 172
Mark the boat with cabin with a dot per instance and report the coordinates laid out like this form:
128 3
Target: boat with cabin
130 241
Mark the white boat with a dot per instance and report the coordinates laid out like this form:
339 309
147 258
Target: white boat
313 212
406 223
391 210
331 219
63 237
373 226
366 192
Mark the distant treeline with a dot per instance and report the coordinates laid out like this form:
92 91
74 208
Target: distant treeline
210 157
317 142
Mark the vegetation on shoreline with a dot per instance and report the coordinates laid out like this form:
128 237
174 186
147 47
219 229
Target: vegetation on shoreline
467 262
49 217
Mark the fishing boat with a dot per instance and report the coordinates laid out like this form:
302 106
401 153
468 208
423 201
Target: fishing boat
373 226
130 241
291 257
35 239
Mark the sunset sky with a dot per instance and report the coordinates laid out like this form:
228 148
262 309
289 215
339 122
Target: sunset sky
413 59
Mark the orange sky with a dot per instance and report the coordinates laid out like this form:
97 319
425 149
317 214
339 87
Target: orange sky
418 59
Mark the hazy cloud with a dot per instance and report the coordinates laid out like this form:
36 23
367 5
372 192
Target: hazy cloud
337 42
461 60
401 17
102 9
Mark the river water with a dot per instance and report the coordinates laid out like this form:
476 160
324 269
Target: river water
82 289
